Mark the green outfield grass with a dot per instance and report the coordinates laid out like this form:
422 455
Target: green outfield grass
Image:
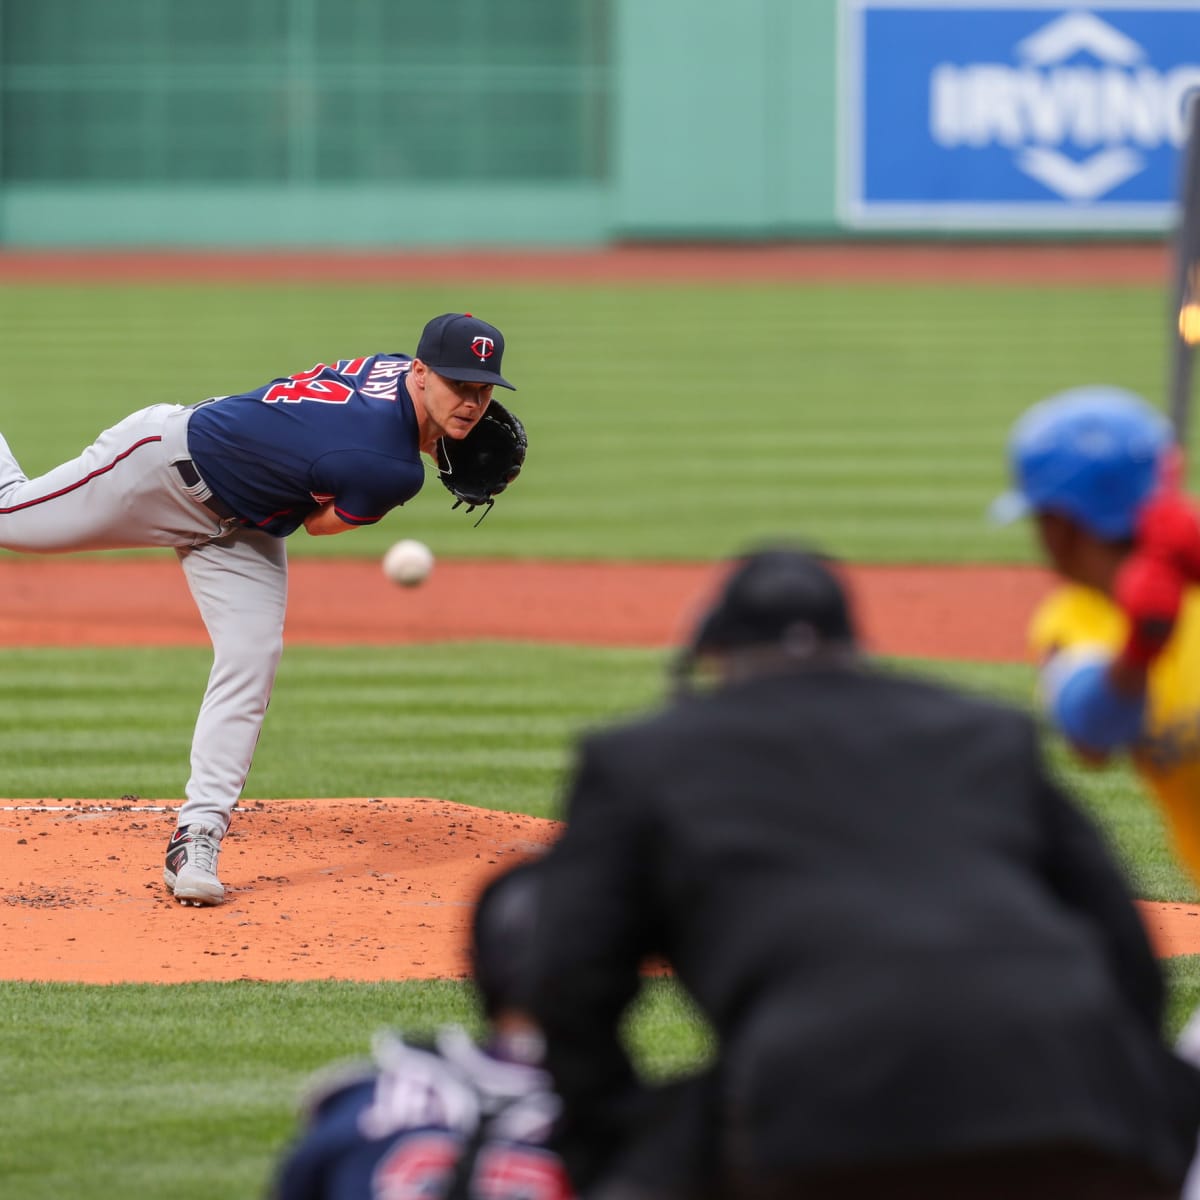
485 723
665 422
188 1092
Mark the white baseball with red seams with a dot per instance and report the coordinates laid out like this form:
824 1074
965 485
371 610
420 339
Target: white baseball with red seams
408 562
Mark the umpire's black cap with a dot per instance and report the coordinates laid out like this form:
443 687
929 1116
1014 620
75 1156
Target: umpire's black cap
460 346
502 938
776 596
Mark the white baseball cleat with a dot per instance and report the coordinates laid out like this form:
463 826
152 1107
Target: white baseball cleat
191 868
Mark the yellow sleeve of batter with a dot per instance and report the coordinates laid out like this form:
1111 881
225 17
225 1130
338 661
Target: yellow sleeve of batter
1167 759
1072 617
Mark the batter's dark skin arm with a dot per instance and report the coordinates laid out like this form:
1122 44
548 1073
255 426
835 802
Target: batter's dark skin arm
1127 678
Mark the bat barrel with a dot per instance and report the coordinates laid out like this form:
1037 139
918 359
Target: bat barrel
1185 294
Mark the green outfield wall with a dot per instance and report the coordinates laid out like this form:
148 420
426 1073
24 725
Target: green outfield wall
399 121
405 122
724 118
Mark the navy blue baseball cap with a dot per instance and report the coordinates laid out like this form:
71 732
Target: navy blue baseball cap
460 346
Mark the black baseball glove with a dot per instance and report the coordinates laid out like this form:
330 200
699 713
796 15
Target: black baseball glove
480 466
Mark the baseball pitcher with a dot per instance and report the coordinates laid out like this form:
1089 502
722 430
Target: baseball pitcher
224 482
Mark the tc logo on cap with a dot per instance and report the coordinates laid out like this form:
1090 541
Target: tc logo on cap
460 346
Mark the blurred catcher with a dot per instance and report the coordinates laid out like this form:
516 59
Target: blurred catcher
453 1119
224 482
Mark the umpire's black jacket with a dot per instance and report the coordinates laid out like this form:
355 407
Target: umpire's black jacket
907 939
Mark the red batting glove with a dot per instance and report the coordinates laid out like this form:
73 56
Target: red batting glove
1149 591
1168 527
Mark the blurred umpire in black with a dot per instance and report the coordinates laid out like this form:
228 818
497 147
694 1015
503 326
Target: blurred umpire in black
924 970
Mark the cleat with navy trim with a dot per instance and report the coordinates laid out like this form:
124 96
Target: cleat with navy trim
191 868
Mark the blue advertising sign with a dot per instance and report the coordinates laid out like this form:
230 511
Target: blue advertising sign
1009 115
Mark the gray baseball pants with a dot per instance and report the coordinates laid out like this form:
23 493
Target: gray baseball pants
125 491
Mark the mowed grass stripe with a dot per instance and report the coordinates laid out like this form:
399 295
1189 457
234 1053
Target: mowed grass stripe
665 422
148 1089
490 724
487 724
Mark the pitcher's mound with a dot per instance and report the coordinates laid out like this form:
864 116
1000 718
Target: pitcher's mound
376 889
315 889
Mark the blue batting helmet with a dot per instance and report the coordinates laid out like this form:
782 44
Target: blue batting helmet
1092 454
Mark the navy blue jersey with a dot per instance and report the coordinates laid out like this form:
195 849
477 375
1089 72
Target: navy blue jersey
344 432
396 1129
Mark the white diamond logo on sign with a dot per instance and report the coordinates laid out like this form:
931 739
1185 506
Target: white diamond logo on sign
1014 114
1079 31
1079 108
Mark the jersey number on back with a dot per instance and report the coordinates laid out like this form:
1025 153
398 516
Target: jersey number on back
306 386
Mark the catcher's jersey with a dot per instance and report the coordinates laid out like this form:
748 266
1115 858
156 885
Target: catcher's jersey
398 1129
1167 756
344 432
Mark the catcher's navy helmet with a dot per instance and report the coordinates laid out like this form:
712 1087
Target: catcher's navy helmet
502 935
1092 454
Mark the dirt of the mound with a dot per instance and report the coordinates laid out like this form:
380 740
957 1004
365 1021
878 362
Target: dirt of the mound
368 889
372 889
